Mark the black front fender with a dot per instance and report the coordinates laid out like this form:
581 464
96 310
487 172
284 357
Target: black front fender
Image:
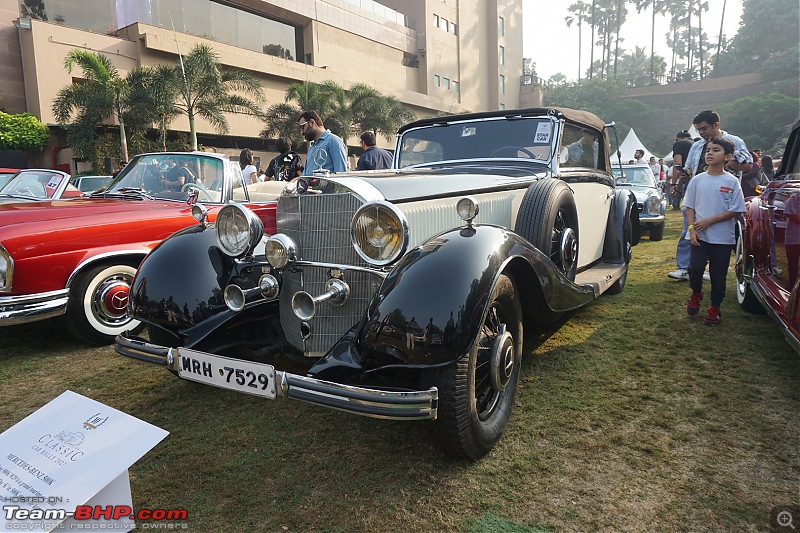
179 285
623 224
429 309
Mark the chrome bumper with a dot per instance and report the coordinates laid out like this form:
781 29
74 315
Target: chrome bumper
375 403
32 307
644 218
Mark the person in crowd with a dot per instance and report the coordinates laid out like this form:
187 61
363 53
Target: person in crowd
287 165
662 171
583 152
122 164
768 167
752 178
373 157
638 157
654 168
707 124
248 166
176 175
713 198
792 235
680 150
328 151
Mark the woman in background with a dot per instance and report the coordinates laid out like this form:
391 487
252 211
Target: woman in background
248 167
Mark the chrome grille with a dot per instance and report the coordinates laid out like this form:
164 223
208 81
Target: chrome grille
320 226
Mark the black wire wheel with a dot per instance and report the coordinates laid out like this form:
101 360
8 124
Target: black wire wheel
548 219
476 394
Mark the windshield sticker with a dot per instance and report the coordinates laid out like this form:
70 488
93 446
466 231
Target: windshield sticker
542 133
469 131
54 181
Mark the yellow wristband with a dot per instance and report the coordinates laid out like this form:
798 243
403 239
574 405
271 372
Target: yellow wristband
691 226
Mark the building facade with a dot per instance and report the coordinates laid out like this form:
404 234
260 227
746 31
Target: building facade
433 55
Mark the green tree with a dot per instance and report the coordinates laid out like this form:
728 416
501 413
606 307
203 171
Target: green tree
22 132
373 111
101 93
767 41
606 99
580 13
152 97
361 107
210 90
328 99
636 66
760 119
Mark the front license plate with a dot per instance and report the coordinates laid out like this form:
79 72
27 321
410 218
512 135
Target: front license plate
227 373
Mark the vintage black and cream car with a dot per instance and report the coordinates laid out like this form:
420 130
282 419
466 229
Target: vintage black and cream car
399 294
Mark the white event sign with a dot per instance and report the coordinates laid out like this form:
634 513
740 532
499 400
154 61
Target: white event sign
73 451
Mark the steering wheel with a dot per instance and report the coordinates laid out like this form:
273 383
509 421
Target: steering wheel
516 148
199 186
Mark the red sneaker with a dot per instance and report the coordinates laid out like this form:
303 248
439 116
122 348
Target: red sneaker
693 305
713 316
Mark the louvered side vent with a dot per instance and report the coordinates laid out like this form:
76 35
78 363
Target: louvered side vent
427 219
320 226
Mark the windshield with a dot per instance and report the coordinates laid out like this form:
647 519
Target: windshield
497 138
39 184
635 176
169 176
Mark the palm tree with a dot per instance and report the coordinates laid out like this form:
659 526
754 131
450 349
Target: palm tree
656 6
153 92
579 16
101 93
372 111
209 90
591 54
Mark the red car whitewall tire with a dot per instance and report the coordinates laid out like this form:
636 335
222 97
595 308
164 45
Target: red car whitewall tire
98 303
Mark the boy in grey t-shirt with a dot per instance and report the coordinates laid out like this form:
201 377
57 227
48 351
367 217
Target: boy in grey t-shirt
713 199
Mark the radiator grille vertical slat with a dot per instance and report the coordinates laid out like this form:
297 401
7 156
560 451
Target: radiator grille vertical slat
320 225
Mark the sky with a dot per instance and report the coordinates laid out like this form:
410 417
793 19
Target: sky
554 47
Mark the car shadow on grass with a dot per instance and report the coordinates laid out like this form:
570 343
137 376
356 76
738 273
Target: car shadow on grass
45 337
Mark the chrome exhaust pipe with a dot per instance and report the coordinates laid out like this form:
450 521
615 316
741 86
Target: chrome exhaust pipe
304 305
235 297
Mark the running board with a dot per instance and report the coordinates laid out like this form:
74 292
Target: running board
600 277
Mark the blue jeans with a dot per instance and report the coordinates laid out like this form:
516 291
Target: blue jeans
684 247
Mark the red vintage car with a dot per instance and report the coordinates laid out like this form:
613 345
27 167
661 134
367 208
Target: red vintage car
78 257
768 247
37 184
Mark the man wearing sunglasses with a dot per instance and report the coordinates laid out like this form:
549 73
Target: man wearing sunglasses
327 151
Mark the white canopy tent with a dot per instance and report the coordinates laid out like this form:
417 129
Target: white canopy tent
630 145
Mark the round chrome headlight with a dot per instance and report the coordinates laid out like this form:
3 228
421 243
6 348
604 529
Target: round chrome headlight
467 208
239 230
281 251
379 232
653 204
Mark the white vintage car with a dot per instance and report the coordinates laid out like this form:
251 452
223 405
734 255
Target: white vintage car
403 293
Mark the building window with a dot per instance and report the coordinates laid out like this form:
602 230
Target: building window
435 20
502 106
455 86
446 83
501 26
502 84
502 55
436 81
454 28
445 25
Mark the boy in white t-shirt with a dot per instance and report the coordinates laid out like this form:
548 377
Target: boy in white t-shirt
712 200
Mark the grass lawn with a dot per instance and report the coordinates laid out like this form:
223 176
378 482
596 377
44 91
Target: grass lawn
630 416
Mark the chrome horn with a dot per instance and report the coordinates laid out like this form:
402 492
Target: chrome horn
235 297
304 305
